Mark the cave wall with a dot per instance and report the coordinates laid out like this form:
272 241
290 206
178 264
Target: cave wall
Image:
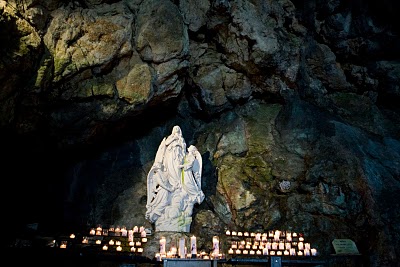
292 105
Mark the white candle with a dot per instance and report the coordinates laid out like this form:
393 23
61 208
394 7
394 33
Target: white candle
143 233
158 257
215 245
105 247
193 245
228 232
307 246
313 252
286 253
182 248
119 248
162 245
300 245
258 237
135 229
265 251
230 251
299 253
130 235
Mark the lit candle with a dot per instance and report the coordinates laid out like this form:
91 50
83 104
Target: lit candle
130 235
141 229
162 245
265 251
234 233
111 242
143 233
72 236
158 257
286 253
193 245
234 244
173 250
135 229
124 232
140 250
299 253
105 247
288 246
272 253
292 252
85 240
245 252
131 243
258 252
279 253
118 243
144 239
246 234
306 252
138 243
230 251
238 251
300 245
215 245
313 252
252 252
307 246
258 237
133 249
98 242
119 248
274 245
239 234
228 232
281 246
63 244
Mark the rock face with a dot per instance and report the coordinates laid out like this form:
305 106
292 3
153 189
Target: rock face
293 107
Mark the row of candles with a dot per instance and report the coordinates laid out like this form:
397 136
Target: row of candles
98 233
182 252
272 243
118 231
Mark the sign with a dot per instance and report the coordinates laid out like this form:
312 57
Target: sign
345 246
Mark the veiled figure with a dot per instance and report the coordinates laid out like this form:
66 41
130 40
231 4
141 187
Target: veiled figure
175 149
174 184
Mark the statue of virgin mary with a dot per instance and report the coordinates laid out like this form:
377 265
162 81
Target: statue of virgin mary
174 184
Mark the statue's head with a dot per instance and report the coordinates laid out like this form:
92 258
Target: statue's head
176 129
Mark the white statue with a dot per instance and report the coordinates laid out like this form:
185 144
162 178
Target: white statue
174 184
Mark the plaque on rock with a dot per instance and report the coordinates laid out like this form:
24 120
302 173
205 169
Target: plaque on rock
345 246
